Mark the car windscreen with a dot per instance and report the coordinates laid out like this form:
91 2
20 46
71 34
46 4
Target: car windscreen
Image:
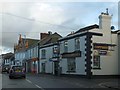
17 67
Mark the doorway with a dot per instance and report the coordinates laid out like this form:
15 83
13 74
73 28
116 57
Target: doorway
56 65
43 67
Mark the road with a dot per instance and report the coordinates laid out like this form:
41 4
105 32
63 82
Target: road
44 82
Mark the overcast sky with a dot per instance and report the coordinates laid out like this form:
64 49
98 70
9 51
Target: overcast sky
32 17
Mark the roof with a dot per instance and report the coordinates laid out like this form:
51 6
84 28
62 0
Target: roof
8 55
79 35
115 32
118 32
50 39
31 42
88 28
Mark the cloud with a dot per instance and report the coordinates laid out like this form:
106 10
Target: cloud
47 13
59 1
32 18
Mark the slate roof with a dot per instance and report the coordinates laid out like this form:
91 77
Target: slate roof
7 55
31 42
88 28
50 39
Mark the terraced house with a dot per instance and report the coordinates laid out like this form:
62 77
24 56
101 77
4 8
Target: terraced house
20 49
7 61
49 54
31 57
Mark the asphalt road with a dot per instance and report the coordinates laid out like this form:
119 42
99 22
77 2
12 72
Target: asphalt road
36 82
44 82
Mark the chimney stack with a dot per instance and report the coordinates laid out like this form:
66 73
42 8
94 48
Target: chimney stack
105 20
43 35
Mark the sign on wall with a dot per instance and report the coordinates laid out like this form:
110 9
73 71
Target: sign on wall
101 52
100 47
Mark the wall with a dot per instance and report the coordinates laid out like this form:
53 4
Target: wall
19 56
48 63
108 63
80 61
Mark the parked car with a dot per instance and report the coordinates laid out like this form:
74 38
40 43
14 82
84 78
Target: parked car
5 69
17 71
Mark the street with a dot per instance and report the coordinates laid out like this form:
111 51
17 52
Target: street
44 82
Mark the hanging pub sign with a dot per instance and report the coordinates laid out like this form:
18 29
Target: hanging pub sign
100 46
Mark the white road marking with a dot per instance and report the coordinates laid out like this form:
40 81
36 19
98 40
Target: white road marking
28 81
38 86
34 84
101 85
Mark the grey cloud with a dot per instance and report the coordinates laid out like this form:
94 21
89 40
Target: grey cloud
18 19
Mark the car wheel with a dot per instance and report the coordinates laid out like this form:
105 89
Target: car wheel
10 77
24 76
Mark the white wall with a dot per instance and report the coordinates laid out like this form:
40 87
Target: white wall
80 61
108 63
48 64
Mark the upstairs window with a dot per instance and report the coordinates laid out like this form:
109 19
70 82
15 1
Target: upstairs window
55 51
77 44
43 53
65 46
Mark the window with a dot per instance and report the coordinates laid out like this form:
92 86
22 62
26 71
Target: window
71 64
66 46
96 62
43 53
77 44
55 51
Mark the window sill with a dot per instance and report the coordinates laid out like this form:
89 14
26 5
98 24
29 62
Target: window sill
71 71
43 58
97 68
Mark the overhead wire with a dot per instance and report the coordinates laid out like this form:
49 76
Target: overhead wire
37 21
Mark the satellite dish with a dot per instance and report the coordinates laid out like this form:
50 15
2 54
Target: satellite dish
112 28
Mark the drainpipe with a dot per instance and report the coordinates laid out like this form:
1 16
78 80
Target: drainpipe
38 59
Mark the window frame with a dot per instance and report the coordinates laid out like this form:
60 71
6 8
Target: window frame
66 46
77 45
43 54
96 59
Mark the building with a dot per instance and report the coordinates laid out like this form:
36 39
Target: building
90 51
31 58
49 54
7 60
20 49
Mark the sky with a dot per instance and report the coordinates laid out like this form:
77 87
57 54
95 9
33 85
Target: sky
31 17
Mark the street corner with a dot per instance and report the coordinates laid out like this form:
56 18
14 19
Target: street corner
112 85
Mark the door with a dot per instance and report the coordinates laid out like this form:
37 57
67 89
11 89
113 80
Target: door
56 68
43 67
